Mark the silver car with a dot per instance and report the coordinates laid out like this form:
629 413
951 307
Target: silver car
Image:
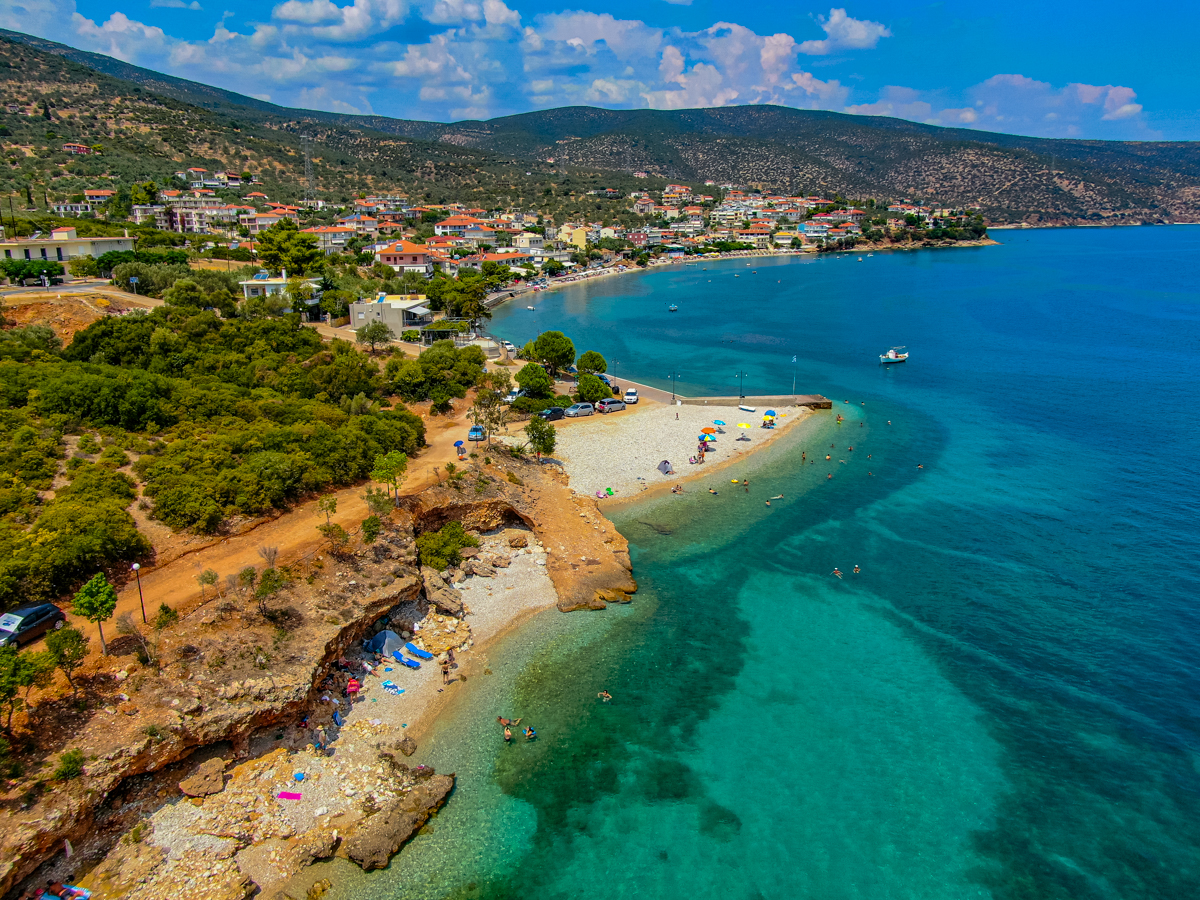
607 406
579 409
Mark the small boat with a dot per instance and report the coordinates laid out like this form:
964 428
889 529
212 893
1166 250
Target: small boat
418 652
529 307
672 308
404 660
747 408
895 355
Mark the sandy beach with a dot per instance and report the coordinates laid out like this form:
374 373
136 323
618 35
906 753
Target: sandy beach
622 450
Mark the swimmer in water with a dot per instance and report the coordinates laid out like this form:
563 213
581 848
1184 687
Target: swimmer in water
829 476
711 491
507 735
605 696
827 456
836 571
857 569
920 467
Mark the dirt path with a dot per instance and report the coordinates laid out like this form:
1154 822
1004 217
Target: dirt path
294 534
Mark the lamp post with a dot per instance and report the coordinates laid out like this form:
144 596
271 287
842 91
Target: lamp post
137 571
741 377
674 376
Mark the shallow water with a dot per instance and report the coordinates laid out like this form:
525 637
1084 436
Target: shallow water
1003 703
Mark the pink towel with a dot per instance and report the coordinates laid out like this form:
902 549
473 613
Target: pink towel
289 795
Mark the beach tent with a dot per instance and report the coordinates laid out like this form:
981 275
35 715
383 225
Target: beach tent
386 642
665 467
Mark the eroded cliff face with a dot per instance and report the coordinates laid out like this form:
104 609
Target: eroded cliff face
225 672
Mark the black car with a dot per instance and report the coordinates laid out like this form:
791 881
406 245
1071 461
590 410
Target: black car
554 412
25 623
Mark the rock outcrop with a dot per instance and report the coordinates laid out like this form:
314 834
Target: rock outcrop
441 596
207 780
377 838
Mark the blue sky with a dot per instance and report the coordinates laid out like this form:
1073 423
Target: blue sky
1096 70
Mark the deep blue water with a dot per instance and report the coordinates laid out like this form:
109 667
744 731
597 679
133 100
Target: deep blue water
1004 703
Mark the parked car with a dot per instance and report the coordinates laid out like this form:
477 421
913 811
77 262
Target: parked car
25 623
509 347
476 433
553 413
631 395
607 406
514 395
579 409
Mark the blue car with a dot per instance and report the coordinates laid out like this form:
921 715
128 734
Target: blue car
476 433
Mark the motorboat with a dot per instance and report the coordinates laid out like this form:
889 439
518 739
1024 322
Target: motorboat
672 308
895 355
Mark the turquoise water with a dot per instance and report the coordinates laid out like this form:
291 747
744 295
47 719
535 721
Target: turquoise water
1003 703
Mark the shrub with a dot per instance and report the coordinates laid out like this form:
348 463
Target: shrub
371 527
440 549
411 335
70 765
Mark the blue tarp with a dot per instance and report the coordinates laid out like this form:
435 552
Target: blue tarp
384 643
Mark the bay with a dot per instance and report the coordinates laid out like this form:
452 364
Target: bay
1002 703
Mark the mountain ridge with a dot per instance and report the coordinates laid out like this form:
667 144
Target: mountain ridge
1013 178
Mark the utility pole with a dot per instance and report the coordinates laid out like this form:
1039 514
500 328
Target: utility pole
741 377
674 376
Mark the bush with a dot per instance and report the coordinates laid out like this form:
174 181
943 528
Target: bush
70 765
440 549
592 390
411 335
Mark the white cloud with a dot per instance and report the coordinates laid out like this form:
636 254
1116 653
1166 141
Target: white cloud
843 32
324 20
176 4
1022 105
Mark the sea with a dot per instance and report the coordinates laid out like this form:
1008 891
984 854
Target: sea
999 697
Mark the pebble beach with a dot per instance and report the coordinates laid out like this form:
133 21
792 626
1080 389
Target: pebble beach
622 450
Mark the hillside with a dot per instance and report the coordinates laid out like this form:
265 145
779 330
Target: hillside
158 118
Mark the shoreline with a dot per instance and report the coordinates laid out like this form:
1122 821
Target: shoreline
609 272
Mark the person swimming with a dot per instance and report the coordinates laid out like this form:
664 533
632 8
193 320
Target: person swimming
529 733
507 735
836 571
711 491
777 497
856 569
605 696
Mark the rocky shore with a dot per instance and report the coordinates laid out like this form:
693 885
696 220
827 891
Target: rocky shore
187 759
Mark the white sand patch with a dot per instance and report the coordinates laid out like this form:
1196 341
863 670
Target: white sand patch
622 450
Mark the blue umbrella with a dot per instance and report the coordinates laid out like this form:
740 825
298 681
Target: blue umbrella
458 443
718 422
769 412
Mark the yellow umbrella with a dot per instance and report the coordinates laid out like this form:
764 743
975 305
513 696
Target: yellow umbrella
742 425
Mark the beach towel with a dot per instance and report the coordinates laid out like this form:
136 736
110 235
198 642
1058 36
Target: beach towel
289 795
392 688
337 719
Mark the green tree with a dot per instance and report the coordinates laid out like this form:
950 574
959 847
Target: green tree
283 246
555 350
440 549
144 193
373 333
204 579
593 362
328 506
336 535
299 292
542 436
389 469
534 381
83 267
184 292
336 303
69 647
378 502
96 601
553 267
591 389
371 527
489 409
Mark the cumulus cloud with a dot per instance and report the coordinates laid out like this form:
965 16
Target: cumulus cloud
324 20
176 4
845 33
1022 105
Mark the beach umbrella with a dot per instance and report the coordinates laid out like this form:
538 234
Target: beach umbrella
769 412
708 431
665 467
718 422
742 425
458 443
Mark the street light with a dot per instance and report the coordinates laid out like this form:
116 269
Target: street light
741 377
137 571
674 376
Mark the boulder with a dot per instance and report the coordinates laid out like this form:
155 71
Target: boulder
518 541
468 552
480 569
441 595
375 840
407 746
206 780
